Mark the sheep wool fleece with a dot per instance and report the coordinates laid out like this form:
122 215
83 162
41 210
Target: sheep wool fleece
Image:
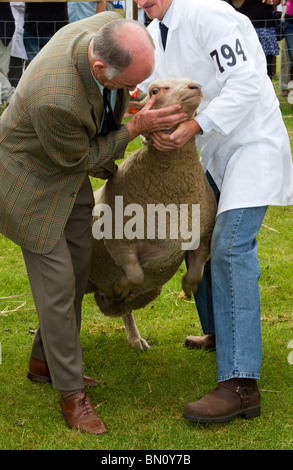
245 146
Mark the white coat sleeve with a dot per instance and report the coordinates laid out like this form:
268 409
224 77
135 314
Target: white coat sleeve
233 48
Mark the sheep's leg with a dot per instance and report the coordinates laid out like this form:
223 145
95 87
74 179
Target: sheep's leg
133 336
121 288
133 275
130 258
196 260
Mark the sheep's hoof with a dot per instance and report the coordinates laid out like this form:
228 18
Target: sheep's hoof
121 288
138 342
189 289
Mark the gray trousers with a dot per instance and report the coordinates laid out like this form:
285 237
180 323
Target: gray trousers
58 282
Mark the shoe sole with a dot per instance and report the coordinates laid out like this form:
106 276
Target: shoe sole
246 414
189 345
38 378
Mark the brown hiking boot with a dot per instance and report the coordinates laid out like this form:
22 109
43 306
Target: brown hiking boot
201 342
232 398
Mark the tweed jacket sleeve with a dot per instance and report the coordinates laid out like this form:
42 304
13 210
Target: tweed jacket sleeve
62 135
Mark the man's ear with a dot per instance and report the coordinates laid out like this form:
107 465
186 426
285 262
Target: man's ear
98 67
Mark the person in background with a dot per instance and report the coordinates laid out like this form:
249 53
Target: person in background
245 152
18 52
104 5
6 91
284 72
42 20
79 10
289 33
261 14
7 28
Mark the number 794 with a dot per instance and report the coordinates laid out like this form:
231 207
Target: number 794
227 53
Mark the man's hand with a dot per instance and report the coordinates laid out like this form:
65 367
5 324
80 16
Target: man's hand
148 120
184 132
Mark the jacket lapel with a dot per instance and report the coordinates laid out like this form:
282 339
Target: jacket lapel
121 104
93 94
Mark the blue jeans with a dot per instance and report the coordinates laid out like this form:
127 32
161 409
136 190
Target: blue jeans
289 39
33 44
228 300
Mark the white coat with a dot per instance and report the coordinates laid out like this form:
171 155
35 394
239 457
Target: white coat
246 148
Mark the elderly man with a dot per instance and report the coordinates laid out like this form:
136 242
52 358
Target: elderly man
56 131
246 152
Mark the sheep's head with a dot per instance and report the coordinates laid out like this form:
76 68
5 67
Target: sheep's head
171 91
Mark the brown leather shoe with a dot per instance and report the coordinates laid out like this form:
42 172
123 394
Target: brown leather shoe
79 413
232 398
201 342
39 372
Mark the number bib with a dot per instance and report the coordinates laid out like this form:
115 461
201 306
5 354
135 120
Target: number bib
229 55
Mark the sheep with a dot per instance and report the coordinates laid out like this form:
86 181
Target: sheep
126 274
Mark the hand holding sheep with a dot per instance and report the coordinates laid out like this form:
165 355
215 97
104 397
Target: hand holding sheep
184 132
148 120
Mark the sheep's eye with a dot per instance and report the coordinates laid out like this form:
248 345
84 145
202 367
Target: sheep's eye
155 91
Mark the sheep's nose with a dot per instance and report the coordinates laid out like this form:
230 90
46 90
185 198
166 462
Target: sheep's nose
194 86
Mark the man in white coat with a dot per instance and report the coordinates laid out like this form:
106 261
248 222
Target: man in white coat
245 152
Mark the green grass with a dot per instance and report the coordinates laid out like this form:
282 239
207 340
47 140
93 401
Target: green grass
142 394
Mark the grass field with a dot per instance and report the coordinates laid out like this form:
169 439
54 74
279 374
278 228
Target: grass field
142 394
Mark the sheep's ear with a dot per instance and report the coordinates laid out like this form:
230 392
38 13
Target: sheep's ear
135 106
143 102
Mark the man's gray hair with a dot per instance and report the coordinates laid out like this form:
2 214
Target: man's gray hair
107 45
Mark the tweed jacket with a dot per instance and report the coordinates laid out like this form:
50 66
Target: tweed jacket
49 138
